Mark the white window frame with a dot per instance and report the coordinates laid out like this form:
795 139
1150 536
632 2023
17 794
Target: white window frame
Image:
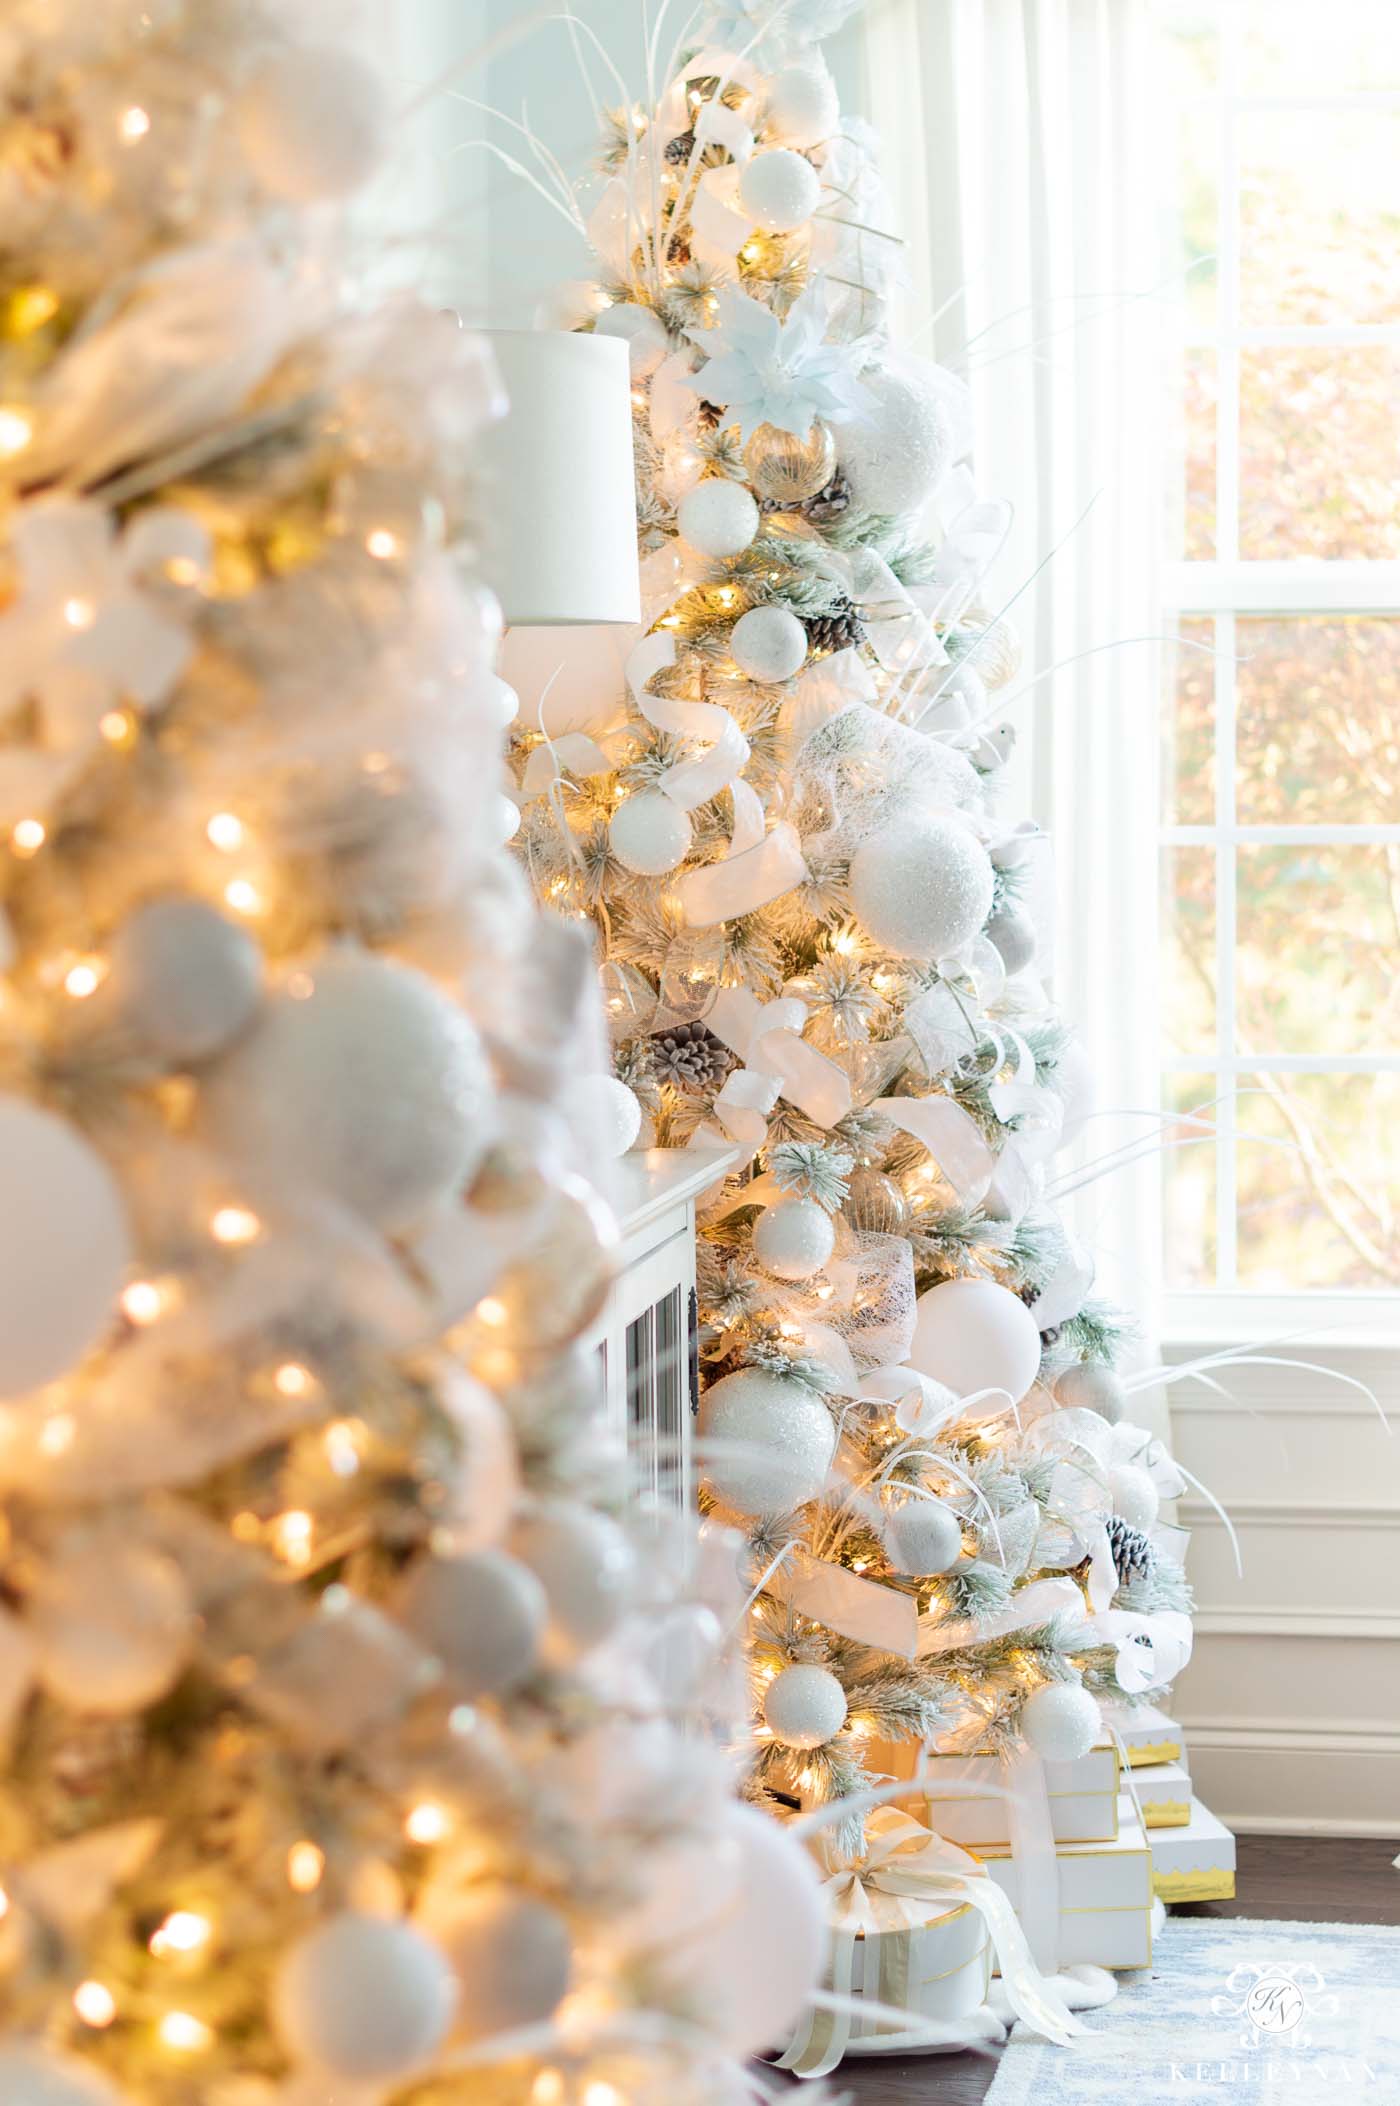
1225 590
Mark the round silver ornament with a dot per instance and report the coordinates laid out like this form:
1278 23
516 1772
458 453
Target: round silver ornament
313 123
779 190
804 1706
788 1430
364 1997
649 833
1090 1387
875 1201
923 1537
186 977
1012 934
1135 1497
483 1615
793 1238
768 643
37 2076
803 108
511 1954
897 451
785 469
361 1081
922 887
112 1623
643 332
1061 1721
718 517
586 1566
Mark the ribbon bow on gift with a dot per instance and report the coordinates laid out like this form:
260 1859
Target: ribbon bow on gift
908 1877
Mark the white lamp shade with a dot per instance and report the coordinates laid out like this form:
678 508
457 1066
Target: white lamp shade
563 546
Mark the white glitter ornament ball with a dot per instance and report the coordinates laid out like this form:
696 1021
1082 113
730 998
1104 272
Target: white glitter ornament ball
717 517
897 452
643 332
112 1625
788 1430
1061 1721
768 644
186 977
779 191
313 123
751 1962
483 1615
972 1335
803 107
649 833
804 1706
923 1537
64 1246
1012 933
34 2076
361 1081
922 887
511 1955
587 1568
794 1238
1089 1387
604 1113
1135 1497
364 1997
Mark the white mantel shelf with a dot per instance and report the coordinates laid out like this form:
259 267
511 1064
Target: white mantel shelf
652 1182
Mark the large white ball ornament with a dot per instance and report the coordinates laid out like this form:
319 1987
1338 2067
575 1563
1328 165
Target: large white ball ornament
923 1537
483 1615
972 1335
803 106
786 1429
804 1706
112 1626
1061 1721
313 123
768 643
1088 1386
649 833
751 1963
794 1238
361 1081
587 1568
511 1955
364 1997
605 1114
643 332
898 450
717 517
34 2076
1136 1499
779 191
64 1248
186 977
922 887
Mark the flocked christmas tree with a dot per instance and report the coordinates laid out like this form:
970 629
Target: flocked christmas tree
820 935
341 1710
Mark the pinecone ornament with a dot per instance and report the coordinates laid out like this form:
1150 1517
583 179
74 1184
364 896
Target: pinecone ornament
830 502
841 631
1132 1553
680 149
689 1057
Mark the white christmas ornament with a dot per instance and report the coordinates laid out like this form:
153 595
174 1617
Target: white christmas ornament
364 1997
922 887
768 643
1012 933
112 1624
649 834
511 1955
313 123
896 453
779 191
750 1963
586 1566
361 1081
923 1537
604 1113
1061 1721
717 517
974 1335
186 977
788 1430
794 1238
804 1706
1090 1387
35 2076
64 1248
643 332
484 1616
1135 1497
803 108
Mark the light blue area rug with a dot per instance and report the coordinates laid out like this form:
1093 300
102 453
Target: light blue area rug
1253 2014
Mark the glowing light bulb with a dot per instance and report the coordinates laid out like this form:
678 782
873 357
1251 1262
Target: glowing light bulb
382 544
243 896
135 123
183 2033
491 1311
182 1931
183 570
225 831
600 2094
235 1225
305 1865
342 1442
291 1536
547 2089
428 1823
292 1379
79 613
118 727
84 978
142 1302
58 1434
4 1904
27 836
16 431
95 2004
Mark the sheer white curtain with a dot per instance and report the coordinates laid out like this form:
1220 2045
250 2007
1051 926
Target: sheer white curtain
1019 147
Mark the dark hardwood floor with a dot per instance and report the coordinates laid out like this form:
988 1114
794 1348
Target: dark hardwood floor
1302 1879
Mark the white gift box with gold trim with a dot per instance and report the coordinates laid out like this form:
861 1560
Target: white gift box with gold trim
1105 1895
941 1970
1083 1795
1163 1791
1147 1734
1194 1863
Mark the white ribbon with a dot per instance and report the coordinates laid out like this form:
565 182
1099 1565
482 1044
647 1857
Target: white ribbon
777 1062
950 1135
1041 1602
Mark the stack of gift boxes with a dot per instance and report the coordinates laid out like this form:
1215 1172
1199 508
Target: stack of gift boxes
1193 1854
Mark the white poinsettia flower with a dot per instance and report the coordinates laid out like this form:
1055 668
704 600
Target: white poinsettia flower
771 31
783 373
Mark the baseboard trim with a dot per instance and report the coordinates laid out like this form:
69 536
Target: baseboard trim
1279 1513
1361 1626
1281 1824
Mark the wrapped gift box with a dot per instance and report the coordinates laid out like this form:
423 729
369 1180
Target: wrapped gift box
1105 1895
1083 1795
944 1973
1163 1791
1147 1734
1195 1862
